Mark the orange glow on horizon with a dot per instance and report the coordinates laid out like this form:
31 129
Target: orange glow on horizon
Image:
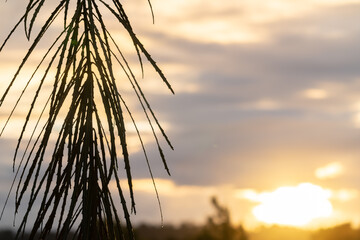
297 206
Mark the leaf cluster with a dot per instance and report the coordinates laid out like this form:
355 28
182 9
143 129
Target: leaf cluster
73 184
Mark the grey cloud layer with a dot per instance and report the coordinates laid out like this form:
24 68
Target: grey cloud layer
225 142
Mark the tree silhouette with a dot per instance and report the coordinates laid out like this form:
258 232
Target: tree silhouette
219 226
72 185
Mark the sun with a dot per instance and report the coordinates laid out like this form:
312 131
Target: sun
293 206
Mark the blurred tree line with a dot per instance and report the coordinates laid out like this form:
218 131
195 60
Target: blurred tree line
219 227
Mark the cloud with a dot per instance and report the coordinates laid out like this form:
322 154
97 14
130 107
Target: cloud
228 21
249 118
238 110
331 170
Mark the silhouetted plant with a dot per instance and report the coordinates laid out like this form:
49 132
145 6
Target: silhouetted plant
219 226
73 184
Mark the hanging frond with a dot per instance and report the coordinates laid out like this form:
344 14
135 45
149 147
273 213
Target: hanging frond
71 184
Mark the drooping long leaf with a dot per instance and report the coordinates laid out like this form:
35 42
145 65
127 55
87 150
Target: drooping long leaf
71 165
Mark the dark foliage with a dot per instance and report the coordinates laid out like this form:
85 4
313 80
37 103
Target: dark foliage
343 232
71 187
219 226
192 232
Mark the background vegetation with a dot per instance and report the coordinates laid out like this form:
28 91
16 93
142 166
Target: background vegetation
219 227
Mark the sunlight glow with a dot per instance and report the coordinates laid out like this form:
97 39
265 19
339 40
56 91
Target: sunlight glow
331 170
315 93
292 206
345 195
356 119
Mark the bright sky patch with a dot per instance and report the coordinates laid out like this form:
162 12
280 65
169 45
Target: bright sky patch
292 206
331 170
315 93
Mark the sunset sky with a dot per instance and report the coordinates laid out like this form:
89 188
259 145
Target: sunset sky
265 116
